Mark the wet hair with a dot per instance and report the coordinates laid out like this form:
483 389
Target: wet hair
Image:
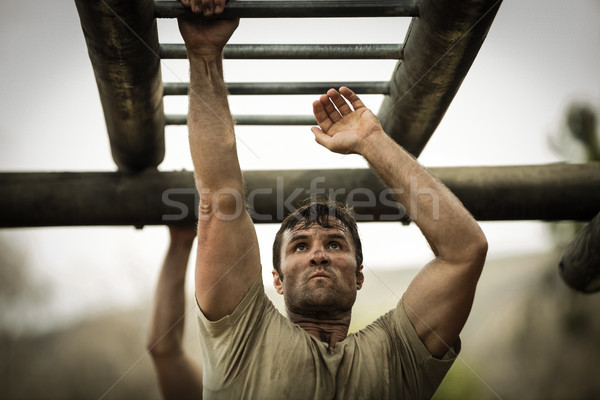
328 214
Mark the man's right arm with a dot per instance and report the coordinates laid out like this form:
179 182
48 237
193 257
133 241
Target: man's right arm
228 259
439 298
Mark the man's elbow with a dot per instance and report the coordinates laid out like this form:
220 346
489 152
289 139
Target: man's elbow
226 203
159 349
476 250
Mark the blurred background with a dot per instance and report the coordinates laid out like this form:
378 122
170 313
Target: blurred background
75 302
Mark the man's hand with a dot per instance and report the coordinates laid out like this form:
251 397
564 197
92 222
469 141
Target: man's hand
206 7
344 128
206 36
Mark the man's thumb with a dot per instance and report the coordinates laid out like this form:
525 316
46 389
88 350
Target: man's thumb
320 136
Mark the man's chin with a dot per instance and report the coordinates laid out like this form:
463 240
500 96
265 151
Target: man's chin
324 299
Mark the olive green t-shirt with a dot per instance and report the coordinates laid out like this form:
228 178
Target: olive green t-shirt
257 353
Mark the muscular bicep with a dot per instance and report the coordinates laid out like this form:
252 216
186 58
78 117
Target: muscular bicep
439 299
228 259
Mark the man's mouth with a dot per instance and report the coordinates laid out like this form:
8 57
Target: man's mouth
320 274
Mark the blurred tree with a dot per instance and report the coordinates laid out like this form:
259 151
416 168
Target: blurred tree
20 291
576 141
543 342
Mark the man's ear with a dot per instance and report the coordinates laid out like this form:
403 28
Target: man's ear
277 282
360 278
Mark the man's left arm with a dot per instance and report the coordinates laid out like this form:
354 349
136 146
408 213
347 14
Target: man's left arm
439 299
179 376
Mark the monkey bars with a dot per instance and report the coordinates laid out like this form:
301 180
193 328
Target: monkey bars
122 40
439 49
442 42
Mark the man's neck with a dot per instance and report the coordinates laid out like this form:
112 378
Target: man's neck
327 329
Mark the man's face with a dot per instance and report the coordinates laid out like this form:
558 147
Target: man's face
319 270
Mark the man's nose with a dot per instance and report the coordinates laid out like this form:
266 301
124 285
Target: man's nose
319 257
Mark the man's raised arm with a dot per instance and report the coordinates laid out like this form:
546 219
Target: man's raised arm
439 299
228 259
178 374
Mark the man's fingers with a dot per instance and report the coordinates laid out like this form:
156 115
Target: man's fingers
321 116
207 7
339 102
332 106
332 112
219 6
194 5
352 97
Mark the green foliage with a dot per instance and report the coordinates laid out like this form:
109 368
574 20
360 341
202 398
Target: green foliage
461 383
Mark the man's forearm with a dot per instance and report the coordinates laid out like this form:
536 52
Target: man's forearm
211 133
169 306
446 224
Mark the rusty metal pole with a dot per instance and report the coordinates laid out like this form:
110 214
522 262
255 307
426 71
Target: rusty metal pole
533 192
122 42
439 48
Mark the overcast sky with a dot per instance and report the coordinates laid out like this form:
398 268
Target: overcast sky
539 56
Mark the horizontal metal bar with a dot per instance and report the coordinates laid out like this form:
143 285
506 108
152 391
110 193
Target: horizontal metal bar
298 9
295 51
181 119
533 192
284 88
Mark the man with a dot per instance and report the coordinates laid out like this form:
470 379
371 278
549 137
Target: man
251 351
179 377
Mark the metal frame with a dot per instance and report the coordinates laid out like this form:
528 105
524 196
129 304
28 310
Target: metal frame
439 48
122 42
156 198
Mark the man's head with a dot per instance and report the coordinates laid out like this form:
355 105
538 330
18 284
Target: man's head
317 257
325 214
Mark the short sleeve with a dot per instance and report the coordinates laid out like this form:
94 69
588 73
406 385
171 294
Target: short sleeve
426 371
223 342
250 300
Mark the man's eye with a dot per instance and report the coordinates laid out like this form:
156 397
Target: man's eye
335 245
300 247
